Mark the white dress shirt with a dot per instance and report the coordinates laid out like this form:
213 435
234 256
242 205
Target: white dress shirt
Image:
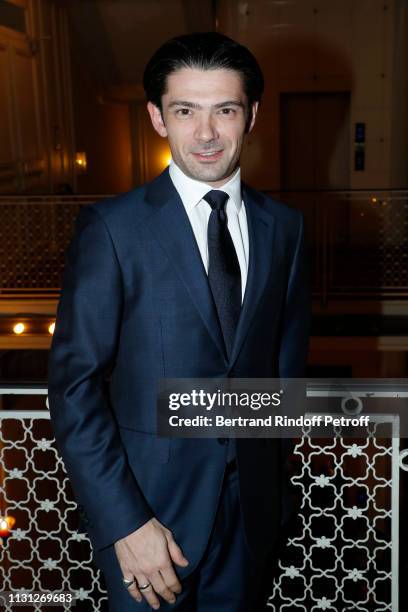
198 210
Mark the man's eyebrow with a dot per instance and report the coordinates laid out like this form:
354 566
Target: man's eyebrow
230 103
184 103
188 104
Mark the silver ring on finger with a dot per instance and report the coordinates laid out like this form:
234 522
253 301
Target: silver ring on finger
127 583
143 587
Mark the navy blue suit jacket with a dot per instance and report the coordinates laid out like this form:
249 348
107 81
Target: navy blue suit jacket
136 306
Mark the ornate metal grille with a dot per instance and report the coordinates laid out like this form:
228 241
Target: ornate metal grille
34 233
343 551
341 555
45 551
358 239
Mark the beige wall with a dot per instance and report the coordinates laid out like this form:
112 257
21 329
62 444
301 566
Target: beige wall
321 45
399 117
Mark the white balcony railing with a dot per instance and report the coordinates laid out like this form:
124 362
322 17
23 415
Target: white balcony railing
342 555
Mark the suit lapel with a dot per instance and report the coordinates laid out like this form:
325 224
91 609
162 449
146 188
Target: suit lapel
171 227
261 232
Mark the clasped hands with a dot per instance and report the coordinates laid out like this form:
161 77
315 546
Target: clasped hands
147 554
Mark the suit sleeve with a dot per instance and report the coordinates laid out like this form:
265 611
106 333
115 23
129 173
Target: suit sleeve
297 310
293 353
82 354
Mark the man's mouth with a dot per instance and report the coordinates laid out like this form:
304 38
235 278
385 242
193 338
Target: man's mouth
209 155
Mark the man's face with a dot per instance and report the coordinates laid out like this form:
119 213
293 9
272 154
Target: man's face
204 116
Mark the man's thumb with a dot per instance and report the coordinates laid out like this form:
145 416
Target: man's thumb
176 554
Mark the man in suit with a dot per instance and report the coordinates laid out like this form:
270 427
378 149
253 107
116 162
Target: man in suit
194 275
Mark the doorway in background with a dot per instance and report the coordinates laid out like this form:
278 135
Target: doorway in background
315 141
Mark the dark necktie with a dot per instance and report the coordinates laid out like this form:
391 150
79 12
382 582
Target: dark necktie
224 274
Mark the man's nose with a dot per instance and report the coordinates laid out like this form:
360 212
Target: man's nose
206 129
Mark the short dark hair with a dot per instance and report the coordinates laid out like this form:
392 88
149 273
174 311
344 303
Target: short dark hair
206 51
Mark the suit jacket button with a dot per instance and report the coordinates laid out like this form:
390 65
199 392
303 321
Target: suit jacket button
232 374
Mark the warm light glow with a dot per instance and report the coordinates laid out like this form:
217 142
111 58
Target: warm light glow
10 520
51 328
373 200
80 161
19 328
6 523
164 157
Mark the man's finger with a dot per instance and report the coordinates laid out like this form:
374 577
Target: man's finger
148 593
134 592
128 575
170 579
176 553
161 588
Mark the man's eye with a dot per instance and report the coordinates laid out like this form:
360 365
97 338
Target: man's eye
227 111
183 112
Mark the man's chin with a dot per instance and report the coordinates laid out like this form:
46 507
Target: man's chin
207 173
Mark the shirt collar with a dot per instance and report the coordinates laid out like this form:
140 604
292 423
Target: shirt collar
192 191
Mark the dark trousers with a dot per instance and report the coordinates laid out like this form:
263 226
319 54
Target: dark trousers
226 579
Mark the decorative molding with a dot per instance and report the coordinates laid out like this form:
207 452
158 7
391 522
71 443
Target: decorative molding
24 342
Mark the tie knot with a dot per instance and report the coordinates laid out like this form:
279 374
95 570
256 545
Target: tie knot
216 199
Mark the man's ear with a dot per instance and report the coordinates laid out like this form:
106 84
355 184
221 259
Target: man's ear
252 116
157 119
